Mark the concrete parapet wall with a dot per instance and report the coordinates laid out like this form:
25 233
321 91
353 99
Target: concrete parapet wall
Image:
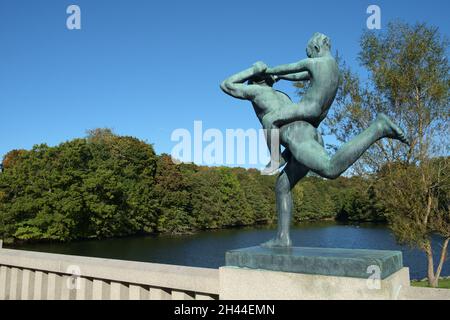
35 275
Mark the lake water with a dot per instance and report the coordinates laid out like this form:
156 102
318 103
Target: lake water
207 248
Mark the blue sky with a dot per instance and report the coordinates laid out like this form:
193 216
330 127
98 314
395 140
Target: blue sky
145 68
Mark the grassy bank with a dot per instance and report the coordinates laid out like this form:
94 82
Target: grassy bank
443 284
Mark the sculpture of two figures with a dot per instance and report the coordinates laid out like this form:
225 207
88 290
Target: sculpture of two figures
295 124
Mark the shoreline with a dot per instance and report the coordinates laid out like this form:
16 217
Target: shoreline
20 243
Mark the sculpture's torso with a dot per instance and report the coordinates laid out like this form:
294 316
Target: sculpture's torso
269 100
324 82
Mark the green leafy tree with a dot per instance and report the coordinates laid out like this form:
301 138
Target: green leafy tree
408 79
97 187
206 198
234 205
313 200
174 208
259 193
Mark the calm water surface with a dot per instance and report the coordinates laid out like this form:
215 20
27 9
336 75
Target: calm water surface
207 249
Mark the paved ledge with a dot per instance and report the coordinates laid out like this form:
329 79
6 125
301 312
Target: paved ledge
352 263
417 293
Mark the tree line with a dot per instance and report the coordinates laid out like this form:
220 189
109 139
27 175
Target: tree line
105 185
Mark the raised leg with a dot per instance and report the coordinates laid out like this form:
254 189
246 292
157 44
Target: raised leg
291 174
312 155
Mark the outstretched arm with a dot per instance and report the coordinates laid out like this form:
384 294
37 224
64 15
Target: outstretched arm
300 76
235 87
296 67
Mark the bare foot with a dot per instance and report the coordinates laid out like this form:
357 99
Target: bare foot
284 242
270 169
392 130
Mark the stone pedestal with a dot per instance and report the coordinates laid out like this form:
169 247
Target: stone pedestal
312 273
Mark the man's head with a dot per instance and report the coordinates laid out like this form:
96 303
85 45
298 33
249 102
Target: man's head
318 46
263 80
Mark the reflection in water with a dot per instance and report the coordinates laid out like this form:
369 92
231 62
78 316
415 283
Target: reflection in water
207 249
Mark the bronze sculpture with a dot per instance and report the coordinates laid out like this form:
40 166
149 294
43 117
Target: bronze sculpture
298 122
